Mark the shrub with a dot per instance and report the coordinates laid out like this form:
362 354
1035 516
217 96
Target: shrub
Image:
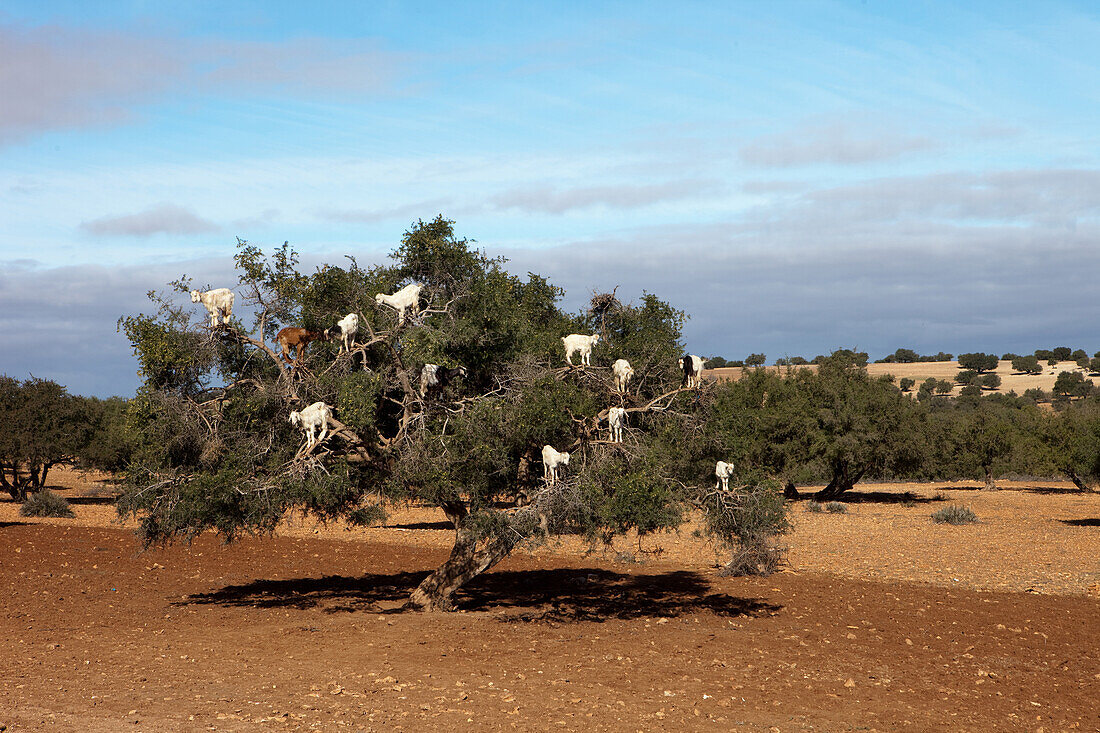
836 507
970 390
954 514
1061 353
943 386
749 523
755 359
45 503
814 507
906 384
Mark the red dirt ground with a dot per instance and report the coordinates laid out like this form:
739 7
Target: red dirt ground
306 633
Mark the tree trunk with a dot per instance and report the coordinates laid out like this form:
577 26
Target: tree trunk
467 561
842 481
989 483
790 492
1077 480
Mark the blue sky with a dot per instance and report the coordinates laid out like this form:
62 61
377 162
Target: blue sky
797 176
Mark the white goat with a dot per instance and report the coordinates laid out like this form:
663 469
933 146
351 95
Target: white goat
575 342
347 327
434 376
310 419
623 373
616 418
218 300
723 471
551 461
693 367
405 298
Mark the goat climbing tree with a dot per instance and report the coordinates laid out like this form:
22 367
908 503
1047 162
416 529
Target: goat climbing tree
217 451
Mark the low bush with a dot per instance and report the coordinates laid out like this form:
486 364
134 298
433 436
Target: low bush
45 503
835 507
954 514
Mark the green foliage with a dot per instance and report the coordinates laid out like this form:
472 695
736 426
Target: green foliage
1026 365
954 514
754 360
836 507
1072 384
1061 353
906 384
43 426
905 356
717 362
990 381
45 503
966 376
978 361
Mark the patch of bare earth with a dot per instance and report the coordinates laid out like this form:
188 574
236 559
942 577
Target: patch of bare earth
305 631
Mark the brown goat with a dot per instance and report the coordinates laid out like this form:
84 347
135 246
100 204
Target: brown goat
297 338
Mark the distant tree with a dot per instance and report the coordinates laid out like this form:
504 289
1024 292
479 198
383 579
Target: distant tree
717 362
1034 395
1079 354
753 360
1094 365
1084 362
1046 354
966 377
978 361
1072 384
990 381
798 361
1026 365
1009 356
943 386
905 356
906 384
943 356
981 435
1052 362
43 426
1061 353
110 443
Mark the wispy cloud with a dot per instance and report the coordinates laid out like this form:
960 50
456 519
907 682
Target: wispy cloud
59 77
370 216
830 144
162 219
545 199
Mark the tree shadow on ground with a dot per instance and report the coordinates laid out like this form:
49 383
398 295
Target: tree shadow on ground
1054 490
562 594
12 524
1089 522
442 524
91 499
887 497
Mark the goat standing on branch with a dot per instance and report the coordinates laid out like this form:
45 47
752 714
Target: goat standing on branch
623 373
433 376
218 300
309 420
578 342
693 368
616 418
404 299
722 472
345 328
296 338
552 460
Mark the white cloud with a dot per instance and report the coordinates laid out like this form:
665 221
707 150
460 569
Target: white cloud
162 219
550 200
832 144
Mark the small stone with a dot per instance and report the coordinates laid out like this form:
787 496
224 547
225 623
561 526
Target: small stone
850 682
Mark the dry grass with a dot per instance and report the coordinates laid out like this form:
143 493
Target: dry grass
945 370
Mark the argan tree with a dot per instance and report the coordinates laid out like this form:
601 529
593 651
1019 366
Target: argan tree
43 426
217 451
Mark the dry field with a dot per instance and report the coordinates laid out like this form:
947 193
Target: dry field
883 621
946 370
